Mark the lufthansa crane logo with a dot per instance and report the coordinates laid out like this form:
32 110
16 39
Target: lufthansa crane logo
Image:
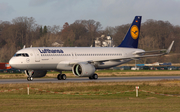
134 32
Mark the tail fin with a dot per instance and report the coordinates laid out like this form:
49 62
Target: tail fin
132 36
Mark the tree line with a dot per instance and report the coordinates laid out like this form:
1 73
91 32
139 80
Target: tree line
82 33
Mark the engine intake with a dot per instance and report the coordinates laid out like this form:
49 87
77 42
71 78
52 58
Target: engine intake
83 70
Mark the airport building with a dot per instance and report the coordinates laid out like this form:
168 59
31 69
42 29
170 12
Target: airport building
104 41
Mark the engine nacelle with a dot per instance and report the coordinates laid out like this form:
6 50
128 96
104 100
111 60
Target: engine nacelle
36 73
83 70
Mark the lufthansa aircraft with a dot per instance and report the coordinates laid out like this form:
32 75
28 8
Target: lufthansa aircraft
83 61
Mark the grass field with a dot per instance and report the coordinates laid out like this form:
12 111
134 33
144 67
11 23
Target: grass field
91 97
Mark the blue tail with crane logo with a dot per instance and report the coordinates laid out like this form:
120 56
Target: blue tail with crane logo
132 36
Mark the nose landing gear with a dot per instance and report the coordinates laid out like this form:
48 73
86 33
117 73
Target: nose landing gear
29 78
29 73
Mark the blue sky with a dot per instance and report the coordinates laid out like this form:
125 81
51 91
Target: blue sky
107 12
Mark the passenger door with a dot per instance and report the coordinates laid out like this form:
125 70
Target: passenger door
37 56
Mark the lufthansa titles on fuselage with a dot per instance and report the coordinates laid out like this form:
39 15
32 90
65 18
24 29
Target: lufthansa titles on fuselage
51 51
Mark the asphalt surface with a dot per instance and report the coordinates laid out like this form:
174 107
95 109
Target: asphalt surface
86 79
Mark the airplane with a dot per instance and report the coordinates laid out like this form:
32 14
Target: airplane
82 61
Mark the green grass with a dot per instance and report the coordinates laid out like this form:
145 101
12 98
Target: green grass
19 101
66 103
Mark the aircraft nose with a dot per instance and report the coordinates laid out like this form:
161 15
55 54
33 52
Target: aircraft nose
15 63
11 62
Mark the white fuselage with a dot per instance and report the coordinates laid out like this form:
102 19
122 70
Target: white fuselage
62 58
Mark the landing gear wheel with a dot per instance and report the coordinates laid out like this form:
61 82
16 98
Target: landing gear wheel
29 78
63 77
90 78
95 76
59 76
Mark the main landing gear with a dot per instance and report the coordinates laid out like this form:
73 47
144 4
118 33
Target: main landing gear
61 76
94 76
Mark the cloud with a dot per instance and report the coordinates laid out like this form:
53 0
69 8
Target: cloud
39 2
5 9
107 12
68 4
68 10
125 10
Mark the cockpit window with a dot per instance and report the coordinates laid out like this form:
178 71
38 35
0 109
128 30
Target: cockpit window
26 55
21 54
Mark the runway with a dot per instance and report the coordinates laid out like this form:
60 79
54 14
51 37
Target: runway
86 79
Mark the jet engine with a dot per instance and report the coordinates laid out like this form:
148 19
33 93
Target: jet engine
83 70
35 73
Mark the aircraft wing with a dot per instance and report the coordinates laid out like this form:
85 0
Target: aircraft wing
158 52
154 51
137 55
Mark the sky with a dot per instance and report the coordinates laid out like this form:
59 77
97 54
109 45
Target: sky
107 12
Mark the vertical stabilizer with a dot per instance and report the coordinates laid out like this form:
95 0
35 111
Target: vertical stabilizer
132 36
